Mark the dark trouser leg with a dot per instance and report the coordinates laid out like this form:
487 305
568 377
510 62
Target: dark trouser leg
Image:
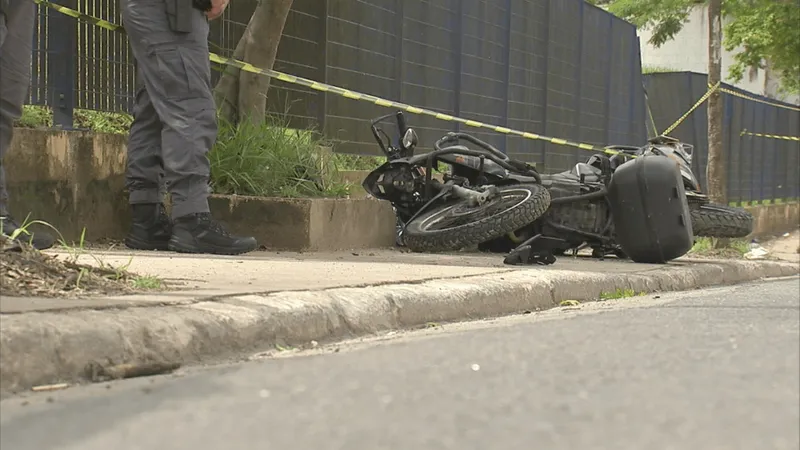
177 76
150 226
176 73
16 35
145 169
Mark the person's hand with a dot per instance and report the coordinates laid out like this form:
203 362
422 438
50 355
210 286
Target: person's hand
217 8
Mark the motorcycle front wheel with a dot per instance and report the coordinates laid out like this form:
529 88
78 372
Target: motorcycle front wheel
720 221
456 225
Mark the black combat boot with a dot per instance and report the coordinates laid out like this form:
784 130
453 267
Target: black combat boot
150 227
200 233
11 230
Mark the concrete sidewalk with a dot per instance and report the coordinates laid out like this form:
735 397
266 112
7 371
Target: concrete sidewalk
224 307
192 278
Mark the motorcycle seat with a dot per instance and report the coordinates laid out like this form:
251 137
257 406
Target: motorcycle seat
591 174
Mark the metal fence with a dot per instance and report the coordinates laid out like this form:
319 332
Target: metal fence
562 68
758 168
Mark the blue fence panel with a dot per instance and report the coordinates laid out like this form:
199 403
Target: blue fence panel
558 67
758 168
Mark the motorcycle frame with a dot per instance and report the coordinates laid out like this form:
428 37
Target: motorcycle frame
402 155
604 237
541 243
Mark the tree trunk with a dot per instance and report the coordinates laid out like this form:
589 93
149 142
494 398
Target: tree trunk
239 94
715 171
226 93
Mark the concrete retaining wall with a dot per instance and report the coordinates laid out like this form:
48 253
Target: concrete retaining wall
308 224
775 218
71 180
75 180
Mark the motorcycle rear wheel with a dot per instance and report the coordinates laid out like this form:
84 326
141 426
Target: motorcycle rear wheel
456 225
720 221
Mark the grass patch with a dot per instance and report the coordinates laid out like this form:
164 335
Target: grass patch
346 161
102 122
733 248
620 294
34 116
147 282
648 69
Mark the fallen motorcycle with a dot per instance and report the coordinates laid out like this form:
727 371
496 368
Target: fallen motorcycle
708 219
484 195
589 222
629 208
579 214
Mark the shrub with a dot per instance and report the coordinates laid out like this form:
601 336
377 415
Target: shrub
35 117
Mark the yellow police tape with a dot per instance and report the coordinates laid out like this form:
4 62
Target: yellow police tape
777 105
322 87
680 120
771 136
717 87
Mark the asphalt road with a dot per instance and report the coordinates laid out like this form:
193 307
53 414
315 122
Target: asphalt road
718 369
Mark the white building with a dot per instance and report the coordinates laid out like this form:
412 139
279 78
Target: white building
688 51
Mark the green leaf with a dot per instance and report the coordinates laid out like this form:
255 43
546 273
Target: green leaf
760 33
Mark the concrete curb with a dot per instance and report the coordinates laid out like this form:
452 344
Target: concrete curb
45 348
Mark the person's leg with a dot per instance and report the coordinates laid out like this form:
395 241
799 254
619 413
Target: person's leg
150 226
16 36
177 75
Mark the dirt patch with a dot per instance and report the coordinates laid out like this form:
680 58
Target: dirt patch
27 272
785 247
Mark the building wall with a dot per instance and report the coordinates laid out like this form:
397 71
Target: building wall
689 52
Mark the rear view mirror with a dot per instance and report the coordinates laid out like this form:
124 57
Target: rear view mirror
410 139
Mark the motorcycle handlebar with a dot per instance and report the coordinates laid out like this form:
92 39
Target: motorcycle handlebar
450 137
401 123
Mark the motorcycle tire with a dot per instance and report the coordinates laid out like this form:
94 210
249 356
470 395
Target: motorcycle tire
720 221
514 207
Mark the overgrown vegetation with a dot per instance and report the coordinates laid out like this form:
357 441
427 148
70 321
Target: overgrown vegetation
271 160
707 247
25 271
